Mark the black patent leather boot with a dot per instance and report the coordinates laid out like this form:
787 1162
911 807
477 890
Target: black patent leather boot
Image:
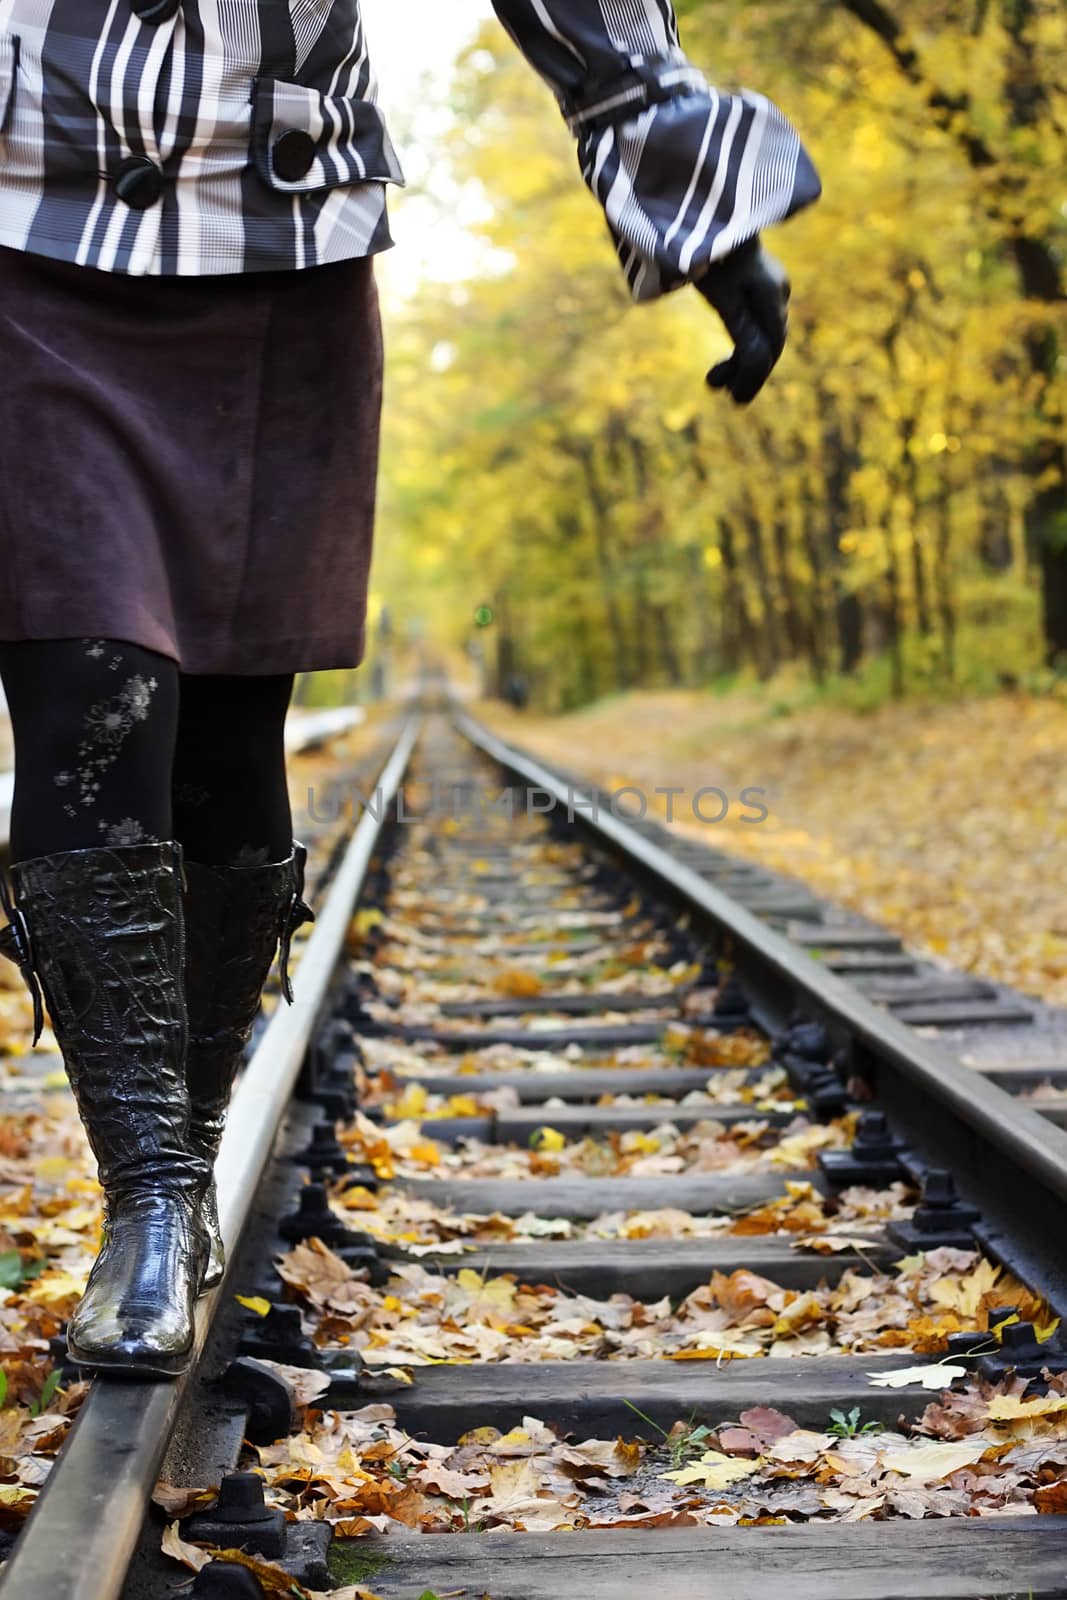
235 919
102 931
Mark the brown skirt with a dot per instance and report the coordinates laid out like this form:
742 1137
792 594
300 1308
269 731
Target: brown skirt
189 464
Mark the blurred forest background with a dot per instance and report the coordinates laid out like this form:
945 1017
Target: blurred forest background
890 518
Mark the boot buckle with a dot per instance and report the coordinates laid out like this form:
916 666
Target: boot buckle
296 914
16 946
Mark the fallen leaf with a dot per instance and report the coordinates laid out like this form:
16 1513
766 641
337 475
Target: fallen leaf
935 1377
254 1303
713 1471
931 1462
549 1139
307 1383
1008 1407
182 1502
190 1555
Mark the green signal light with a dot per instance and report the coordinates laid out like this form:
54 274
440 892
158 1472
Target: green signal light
484 616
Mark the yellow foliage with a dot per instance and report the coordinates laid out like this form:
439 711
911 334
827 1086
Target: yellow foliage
553 452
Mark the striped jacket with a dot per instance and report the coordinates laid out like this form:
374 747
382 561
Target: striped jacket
192 137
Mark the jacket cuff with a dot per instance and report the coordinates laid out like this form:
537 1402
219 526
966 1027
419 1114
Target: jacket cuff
690 178
600 103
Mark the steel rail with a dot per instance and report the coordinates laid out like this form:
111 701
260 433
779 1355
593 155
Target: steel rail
1024 1137
81 1535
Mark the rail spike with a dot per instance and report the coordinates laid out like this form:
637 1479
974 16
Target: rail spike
941 1219
240 1519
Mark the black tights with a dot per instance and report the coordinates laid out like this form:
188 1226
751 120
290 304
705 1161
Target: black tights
114 746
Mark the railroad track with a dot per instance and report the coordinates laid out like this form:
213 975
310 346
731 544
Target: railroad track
574 1204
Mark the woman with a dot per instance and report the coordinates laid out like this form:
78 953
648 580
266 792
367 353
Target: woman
189 205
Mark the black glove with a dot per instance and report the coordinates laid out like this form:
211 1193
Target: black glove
750 290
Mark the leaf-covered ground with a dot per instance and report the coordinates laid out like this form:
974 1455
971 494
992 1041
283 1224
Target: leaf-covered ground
425 1316
419 1226
981 1452
678 1046
946 823
407 1150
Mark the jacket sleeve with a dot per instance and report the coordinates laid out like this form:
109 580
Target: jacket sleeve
685 173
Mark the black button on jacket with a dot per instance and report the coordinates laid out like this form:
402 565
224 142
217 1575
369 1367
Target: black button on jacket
156 137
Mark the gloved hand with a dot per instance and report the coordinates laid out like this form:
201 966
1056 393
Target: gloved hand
750 290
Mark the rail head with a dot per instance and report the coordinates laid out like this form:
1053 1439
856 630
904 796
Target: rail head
1022 1136
81 1535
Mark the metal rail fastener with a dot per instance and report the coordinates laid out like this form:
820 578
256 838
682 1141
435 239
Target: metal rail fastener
81 1535
1027 1139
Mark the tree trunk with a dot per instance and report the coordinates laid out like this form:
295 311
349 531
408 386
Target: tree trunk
946 607
769 657
641 651
840 459
707 648
606 566
1036 258
918 562
668 655
795 630
817 626
1048 521
894 619
738 630
848 610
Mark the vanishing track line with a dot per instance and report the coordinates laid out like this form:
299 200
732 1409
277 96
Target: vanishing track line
590 1152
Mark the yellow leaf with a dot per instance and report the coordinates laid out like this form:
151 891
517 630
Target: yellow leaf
53 1166
499 1291
714 1471
463 1105
412 1103
16 1496
803 1312
931 1462
1006 1408
254 1303
549 1139
56 1286
965 1294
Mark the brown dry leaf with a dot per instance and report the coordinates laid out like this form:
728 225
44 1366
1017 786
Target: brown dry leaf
308 1384
767 1424
649 1519
272 1579
517 984
190 1555
453 1485
1051 1498
182 1502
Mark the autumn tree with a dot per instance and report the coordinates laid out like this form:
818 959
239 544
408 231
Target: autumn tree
899 489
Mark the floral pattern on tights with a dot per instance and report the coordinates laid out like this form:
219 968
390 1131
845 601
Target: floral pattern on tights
107 725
